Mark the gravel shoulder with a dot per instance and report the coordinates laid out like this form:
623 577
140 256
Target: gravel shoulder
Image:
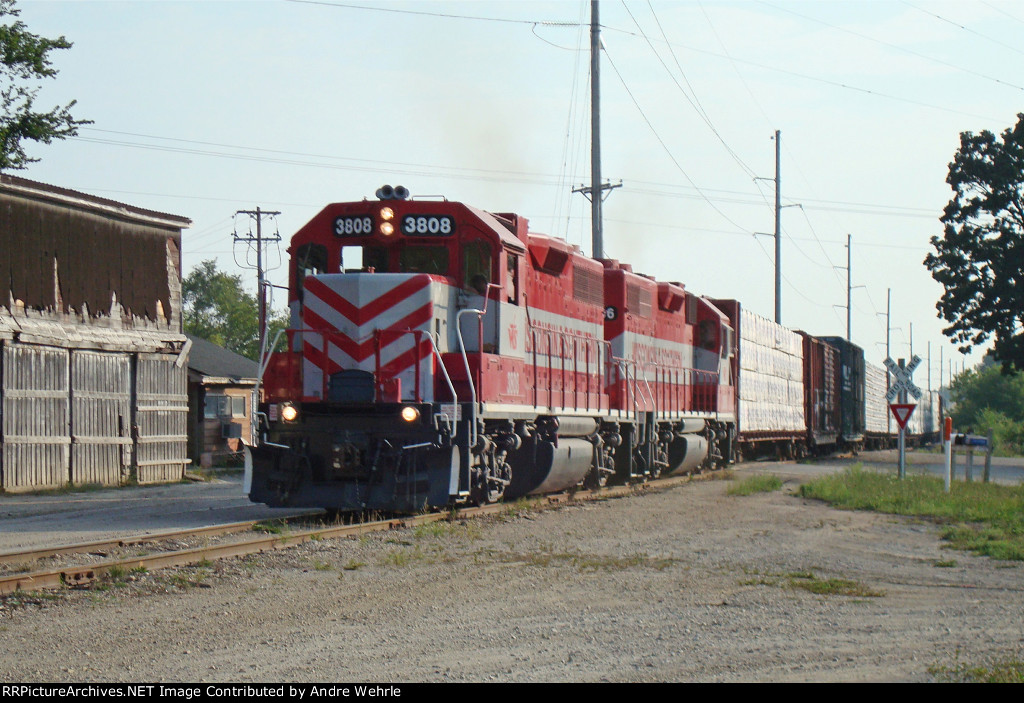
685 584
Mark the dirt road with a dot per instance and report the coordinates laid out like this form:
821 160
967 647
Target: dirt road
688 584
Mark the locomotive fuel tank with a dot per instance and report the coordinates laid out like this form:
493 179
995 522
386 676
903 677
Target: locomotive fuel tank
556 458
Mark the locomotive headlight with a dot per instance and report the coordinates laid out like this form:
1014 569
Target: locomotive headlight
289 412
387 214
387 229
410 414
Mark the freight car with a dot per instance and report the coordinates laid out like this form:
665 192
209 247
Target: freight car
441 355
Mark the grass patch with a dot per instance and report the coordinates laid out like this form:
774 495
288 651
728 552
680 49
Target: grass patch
546 556
407 557
1002 670
520 507
441 529
809 581
272 527
353 565
759 483
984 518
832 586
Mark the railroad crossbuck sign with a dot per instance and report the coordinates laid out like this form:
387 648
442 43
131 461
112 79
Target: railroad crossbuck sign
902 380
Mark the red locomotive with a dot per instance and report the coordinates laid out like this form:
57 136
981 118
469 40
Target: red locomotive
442 355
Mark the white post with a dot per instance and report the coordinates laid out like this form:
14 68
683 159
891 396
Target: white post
947 445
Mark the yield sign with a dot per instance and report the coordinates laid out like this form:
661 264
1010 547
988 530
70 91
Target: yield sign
902 413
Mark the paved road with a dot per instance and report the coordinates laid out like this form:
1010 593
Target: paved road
69 518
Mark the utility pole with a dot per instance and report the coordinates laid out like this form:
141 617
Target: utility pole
595 191
258 215
888 303
849 289
778 231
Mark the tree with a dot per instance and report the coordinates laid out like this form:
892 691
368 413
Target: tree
980 258
985 400
24 59
219 310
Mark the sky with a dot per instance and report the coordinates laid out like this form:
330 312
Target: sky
202 109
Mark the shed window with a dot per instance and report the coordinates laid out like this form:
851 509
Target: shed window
214 407
223 406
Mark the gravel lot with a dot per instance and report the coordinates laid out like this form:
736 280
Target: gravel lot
687 584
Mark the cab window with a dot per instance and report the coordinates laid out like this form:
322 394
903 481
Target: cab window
310 260
512 278
476 266
424 260
375 258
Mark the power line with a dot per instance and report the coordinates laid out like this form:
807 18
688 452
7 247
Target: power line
966 29
694 100
897 47
665 146
443 15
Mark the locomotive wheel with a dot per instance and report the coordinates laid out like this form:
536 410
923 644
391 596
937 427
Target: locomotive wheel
596 479
490 482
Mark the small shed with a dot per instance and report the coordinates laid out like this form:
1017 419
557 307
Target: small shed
92 357
221 401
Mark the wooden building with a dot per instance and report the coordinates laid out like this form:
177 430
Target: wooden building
92 358
221 401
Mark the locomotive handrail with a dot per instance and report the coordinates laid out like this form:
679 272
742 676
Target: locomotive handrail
465 359
650 393
326 333
578 341
266 358
419 336
624 365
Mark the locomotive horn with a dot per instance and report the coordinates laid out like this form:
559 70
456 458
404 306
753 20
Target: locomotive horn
401 192
386 192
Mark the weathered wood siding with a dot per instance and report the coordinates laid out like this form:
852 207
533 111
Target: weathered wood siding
90 327
161 414
101 443
35 438
67 253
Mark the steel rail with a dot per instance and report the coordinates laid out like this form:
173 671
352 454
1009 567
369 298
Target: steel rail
77 576
13 557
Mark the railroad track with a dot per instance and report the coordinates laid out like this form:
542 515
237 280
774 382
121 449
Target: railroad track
82 575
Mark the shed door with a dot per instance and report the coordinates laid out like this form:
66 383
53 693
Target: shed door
34 434
101 443
161 416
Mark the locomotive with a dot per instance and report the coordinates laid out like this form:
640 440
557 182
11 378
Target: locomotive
441 355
